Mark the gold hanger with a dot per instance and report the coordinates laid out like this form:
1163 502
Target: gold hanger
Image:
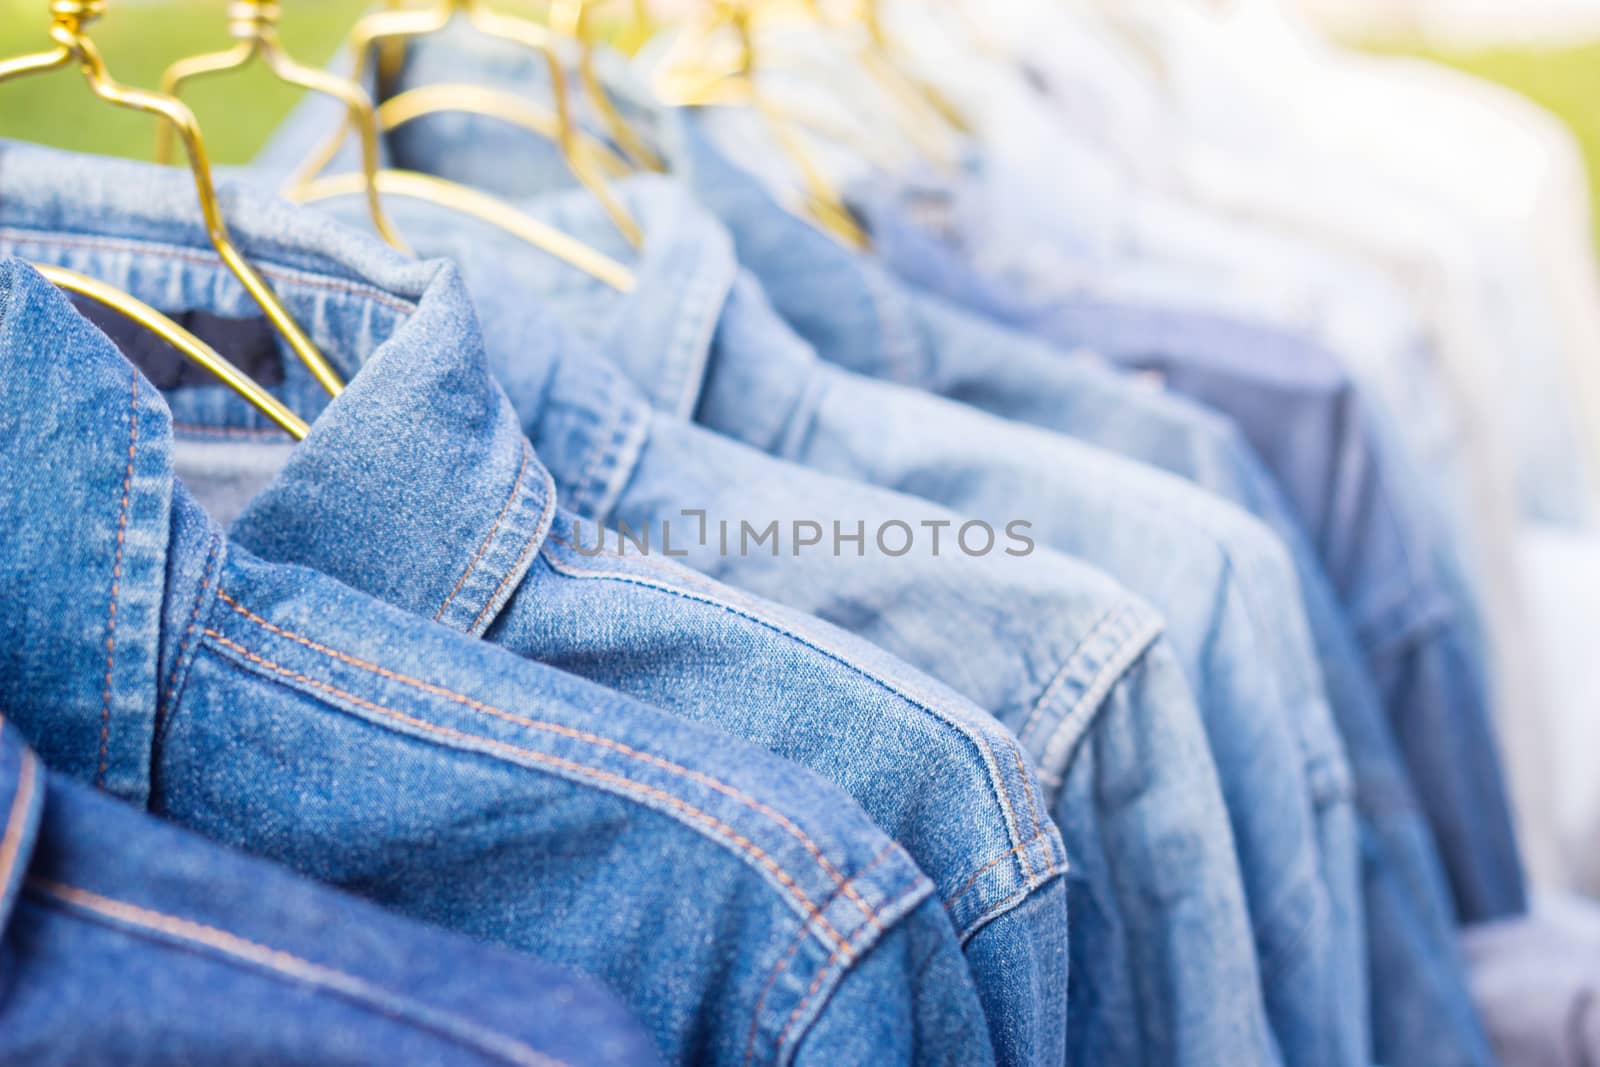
572 19
403 107
254 25
481 206
737 86
179 338
392 27
67 29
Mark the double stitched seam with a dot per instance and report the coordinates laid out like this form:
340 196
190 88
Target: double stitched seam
187 644
1023 781
483 548
788 957
713 597
563 731
21 801
50 239
1131 650
816 983
1064 675
546 517
116 586
228 944
589 478
972 880
626 784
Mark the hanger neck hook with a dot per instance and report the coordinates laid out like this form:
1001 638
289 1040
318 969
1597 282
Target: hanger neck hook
254 21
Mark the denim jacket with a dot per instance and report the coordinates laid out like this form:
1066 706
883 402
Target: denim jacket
274 709
129 942
473 537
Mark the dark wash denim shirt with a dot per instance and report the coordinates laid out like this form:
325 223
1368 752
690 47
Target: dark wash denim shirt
941 776
274 709
1096 674
125 942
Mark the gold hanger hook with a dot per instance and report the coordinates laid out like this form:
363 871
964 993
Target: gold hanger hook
388 27
574 19
69 20
254 26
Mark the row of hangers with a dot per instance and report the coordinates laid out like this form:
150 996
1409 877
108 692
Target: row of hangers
695 72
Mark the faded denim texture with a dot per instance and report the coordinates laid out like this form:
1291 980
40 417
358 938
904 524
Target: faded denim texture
128 942
597 413
473 537
274 709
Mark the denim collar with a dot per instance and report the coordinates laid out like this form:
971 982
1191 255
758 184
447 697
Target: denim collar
458 492
87 459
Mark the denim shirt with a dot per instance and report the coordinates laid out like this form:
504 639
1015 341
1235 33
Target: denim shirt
941 776
274 709
586 437
128 942
1073 665
1407 595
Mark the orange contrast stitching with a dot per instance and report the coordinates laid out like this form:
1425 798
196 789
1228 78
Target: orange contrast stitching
537 537
286 963
573 734
720 598
761 1001
626 784
116 587
489 537
987 867
816 984
11 844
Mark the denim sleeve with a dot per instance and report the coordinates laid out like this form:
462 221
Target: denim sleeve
136 944
877 1018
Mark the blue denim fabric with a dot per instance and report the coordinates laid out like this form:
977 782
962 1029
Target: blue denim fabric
129 942
1405 595
941 776
1073 665
274 709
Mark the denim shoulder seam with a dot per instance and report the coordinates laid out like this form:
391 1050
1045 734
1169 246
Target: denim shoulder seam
190 935
618 446
1084 682
595 742
900 690
830 974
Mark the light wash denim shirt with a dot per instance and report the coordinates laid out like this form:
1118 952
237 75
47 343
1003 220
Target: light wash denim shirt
274 709
128 942
1055 651
1407 593
943 777
858 314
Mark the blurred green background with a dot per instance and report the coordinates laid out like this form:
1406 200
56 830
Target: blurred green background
140 37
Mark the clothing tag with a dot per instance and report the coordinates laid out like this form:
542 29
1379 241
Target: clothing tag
250 344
